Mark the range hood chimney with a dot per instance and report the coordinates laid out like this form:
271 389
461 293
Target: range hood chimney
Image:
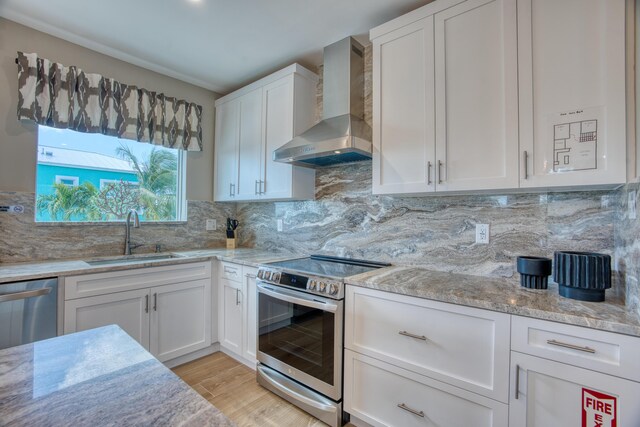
342 135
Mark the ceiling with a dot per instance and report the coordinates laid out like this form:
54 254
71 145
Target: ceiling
216 44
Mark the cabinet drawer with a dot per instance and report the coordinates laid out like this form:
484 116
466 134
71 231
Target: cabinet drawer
375 392
230 271
462 346
139 278
614 354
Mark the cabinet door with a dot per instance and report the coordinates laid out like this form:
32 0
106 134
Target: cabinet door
403 110
226 149
476 96
129 310
231 313
250 145
180 318
278 130
546 393
250 307
571 59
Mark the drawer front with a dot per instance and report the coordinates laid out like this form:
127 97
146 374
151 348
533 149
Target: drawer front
606 352
384 395
126 280
230 271
465 347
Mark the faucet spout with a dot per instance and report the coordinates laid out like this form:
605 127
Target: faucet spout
127 235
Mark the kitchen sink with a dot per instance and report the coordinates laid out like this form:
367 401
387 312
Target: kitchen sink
131 259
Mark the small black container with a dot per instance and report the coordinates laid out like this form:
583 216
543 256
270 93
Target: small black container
582 275
534 272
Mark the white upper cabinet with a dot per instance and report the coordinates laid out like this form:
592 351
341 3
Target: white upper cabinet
404 110
499 94
571 56
226 148
252 122
476 96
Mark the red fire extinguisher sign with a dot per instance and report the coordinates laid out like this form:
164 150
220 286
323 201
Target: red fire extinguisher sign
598 409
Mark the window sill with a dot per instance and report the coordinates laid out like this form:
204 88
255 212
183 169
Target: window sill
106 223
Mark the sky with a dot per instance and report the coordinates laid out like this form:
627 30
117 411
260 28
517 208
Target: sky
92 142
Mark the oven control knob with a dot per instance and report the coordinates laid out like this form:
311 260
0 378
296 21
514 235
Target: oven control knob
333 289
275 277
312 285
322 286
260 274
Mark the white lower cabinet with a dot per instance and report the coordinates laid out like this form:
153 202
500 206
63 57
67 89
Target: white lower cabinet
180 319
237 311
170 320
381 394
231 315
547 393
129 310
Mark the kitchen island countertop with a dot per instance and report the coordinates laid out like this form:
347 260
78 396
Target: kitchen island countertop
96 378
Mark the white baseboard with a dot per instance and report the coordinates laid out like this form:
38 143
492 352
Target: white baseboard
358 422
249 363
213 348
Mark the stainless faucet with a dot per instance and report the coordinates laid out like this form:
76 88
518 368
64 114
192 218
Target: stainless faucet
127 236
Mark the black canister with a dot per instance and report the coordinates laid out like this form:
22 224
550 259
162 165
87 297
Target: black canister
582 275
534 271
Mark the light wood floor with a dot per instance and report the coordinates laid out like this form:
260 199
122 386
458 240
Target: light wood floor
231 387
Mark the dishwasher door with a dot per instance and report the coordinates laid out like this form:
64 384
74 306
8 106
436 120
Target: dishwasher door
28 311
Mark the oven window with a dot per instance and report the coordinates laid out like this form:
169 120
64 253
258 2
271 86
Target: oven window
299 336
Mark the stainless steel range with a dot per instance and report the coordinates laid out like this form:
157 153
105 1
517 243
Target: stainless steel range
300 331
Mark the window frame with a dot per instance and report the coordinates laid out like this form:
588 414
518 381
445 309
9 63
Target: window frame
181 194
75 179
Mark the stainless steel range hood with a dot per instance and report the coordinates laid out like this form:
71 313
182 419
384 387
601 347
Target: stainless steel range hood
342 135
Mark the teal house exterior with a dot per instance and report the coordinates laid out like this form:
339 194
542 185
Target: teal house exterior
74 167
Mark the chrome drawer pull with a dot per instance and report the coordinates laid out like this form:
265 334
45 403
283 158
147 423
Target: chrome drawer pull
14 296
413 411
571 346
517 382
418 337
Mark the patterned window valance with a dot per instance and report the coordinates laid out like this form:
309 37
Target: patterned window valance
53 95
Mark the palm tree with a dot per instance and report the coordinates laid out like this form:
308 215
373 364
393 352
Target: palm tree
158 180
71 201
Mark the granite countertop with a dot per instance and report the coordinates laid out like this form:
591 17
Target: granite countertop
96 378
504 296
38 270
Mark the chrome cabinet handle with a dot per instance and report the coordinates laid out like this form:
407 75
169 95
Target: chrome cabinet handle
571 346
418 337
517 392
428 173
250 276
146 303
155 302
413 411
526 164
439 172
237 297
255 188
230 270
13 296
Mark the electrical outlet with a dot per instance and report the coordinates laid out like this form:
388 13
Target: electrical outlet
631 201
279 224
212 225
482 233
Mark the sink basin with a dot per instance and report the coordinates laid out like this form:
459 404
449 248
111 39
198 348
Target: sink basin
131 259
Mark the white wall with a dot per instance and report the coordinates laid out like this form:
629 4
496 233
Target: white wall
18 140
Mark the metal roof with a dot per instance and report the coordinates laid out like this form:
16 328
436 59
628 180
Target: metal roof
81 159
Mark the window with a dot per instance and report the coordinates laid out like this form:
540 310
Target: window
92 177
69 181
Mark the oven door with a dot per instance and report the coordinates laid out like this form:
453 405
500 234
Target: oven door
300 335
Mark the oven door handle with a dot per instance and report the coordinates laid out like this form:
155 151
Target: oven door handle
301 300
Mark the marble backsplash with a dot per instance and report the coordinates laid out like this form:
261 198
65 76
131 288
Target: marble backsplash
22 240
627 249
436 232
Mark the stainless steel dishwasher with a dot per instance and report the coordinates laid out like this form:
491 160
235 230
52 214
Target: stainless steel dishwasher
28 311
